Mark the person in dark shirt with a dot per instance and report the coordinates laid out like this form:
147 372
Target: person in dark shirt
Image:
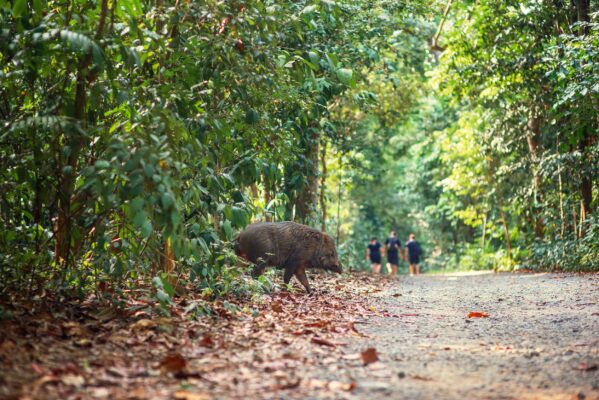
413 252
373 252
392 247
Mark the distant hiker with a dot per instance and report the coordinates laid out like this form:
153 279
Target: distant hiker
392 247
373 252
413 252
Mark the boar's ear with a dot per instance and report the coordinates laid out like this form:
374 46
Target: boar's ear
313 235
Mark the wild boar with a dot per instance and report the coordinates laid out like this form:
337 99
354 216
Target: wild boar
289 246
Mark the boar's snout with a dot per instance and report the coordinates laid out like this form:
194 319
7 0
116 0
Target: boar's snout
331 263
334 266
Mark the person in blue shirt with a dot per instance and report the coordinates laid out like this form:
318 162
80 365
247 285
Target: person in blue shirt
393 249
373 252
413 253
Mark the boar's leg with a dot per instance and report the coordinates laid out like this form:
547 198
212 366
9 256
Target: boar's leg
300 274
288 275
258 269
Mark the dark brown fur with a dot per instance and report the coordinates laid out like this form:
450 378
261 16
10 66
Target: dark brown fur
287 245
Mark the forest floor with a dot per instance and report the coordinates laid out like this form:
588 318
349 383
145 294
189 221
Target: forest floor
462 336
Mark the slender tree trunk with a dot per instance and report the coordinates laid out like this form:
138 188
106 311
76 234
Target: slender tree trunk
267 199
254 190
582 8
484 230
168 264
574 221
532 139
561 193
505 227
307 199
586 186
323 179
339 198
62 244
582 219
561 204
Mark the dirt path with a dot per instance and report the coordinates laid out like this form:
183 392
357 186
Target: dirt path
540 341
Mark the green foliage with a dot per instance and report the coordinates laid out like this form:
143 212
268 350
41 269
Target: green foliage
493 160
139 137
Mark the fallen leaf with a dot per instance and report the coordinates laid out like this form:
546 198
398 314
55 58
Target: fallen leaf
173 362
317 324
207 341
583 366
369 356
100 393
421 378
347 387
72 328
477 314
187 395
276 306
290 384
323 342
73 380
143 324
38 369
302 332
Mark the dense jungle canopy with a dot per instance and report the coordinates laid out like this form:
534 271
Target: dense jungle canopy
138 137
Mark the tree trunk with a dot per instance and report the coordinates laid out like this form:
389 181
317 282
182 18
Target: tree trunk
323 177
582 9
168 262
505 227
532 139
62 244
574 221
339 198
586 186
267 199
308 195
483 239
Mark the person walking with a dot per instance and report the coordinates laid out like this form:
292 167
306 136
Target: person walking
413 252
392 248
373 252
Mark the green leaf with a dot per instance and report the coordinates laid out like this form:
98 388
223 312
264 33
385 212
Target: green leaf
175 218
238 217
140 219
314 58
146 229
252 116
203 245
37 7
19 8
163 297
162 284
102 164
167 200
137 204
345 75
228 229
